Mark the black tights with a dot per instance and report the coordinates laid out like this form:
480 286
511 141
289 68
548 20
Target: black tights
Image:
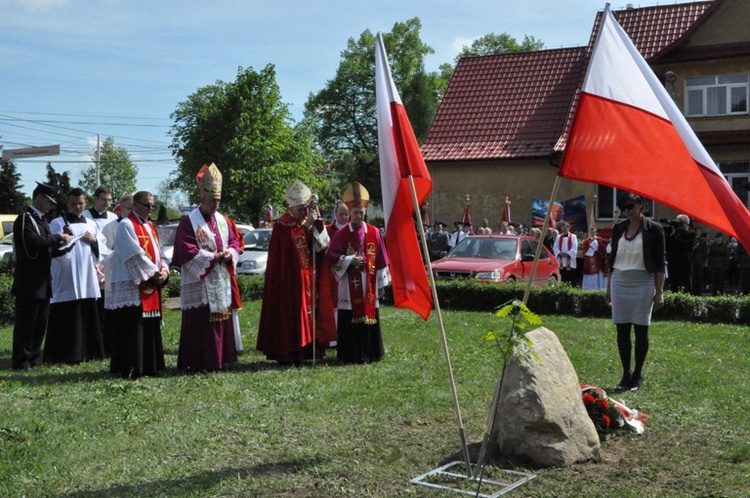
624 346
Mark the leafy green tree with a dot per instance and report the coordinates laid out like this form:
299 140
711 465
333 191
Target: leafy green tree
62 182
246 130
12 199
344 113
116 171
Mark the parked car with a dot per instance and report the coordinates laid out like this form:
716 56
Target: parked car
6 223
497 258
6 247
166 239
253 261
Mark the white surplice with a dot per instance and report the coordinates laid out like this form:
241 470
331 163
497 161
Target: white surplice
74 273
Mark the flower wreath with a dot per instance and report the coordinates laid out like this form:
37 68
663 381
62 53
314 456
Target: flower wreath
609 415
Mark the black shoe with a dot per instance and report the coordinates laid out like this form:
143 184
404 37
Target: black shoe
636 383
624 384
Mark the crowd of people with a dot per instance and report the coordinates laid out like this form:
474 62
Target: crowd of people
695 263
88 285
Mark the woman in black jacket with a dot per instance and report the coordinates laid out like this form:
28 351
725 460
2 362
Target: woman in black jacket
636 283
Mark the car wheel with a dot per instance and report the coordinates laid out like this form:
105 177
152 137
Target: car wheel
552 281
511 280
174 270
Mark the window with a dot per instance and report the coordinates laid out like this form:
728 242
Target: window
738 176
606 203
717 95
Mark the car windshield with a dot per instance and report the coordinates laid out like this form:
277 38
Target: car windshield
166 234
258 240
486 248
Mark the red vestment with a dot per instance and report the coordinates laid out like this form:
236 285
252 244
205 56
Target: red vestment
285 328
328 294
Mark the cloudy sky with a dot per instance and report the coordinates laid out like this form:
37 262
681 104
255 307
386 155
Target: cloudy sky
72 69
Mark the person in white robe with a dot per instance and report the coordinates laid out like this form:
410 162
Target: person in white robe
74 332
137 273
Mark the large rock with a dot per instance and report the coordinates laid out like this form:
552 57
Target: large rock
540 415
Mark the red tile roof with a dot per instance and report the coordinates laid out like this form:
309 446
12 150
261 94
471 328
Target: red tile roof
654 28
514 106
505 106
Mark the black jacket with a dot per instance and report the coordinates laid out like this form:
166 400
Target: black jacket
33 244
654 256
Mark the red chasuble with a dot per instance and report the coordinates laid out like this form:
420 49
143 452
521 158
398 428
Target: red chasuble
285 317
328 294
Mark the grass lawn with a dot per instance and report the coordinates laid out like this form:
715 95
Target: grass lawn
366 430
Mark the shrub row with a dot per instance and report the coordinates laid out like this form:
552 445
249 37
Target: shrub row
470 295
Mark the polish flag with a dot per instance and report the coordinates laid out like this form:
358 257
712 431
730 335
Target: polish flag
400 158
628 133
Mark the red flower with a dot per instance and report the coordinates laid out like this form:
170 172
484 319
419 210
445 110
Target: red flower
588 399
606 421
603 403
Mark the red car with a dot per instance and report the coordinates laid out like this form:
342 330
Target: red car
497 258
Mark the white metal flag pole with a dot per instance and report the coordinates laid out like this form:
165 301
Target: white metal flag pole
547 216
441 325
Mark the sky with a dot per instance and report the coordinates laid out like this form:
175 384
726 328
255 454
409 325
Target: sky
72 69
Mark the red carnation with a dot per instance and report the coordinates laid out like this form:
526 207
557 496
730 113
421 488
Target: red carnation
603 403
588 399
606 421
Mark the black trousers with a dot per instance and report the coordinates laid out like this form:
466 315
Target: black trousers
28 331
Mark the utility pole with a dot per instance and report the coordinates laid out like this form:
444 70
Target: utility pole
98 159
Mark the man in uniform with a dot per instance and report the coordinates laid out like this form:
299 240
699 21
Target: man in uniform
32 284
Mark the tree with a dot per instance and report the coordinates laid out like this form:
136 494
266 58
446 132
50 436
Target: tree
343 113
116 171
247 130
62 182
12 201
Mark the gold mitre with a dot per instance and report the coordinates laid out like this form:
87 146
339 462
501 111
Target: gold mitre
355 195
209 180
298 194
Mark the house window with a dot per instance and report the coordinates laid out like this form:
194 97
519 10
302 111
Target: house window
606 203
722 95
738 176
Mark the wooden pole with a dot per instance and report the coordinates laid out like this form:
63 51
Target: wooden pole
441 325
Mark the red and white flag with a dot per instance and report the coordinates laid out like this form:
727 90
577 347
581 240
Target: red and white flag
506 211
400 157
466 220
628 133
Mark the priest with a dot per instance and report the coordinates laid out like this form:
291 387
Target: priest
286 331
74 332
360 263
137 274
207 250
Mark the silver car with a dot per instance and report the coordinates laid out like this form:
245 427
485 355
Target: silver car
167 235
255 257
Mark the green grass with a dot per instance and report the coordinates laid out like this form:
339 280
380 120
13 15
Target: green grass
366 430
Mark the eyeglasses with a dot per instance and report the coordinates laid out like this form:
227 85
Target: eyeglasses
130 208
627 206
147 205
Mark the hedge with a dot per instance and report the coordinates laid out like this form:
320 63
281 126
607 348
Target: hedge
470 295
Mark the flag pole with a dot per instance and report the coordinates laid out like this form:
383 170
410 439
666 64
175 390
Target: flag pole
492 415
553 196
443 342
